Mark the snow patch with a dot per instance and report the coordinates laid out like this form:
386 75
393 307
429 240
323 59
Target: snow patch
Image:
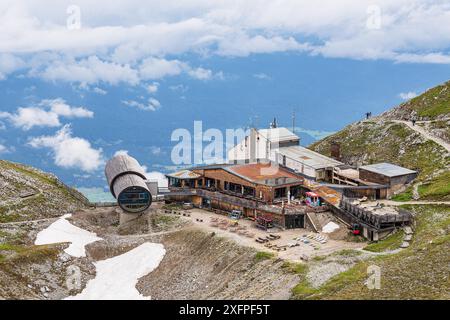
330 227
117 277
63 231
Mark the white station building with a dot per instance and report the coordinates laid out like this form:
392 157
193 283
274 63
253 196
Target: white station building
283 146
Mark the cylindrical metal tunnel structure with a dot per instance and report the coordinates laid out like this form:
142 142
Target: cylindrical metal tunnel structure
126 180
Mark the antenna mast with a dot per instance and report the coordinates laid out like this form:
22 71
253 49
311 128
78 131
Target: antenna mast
293 121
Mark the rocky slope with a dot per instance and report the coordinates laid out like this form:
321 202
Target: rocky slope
201 266
418 272
28 194
386 139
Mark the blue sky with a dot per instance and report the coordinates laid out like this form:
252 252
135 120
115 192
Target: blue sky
127 74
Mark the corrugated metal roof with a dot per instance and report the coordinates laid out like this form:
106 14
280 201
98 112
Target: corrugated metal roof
184 174
388 169
308 157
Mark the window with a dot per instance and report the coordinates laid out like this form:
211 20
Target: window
248 191
280 193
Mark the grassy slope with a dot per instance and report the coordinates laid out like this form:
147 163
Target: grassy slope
52 198
374 141
419 272
432 104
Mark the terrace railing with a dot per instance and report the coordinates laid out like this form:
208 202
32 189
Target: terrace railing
232 198
372 219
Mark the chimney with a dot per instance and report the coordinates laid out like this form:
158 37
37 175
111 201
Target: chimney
335 150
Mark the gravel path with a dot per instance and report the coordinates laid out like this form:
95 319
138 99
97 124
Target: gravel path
425 133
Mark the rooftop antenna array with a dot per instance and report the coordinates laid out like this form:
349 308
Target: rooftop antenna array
274 124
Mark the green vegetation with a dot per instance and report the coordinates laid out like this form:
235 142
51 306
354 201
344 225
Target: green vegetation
263 255
356 274
380 142
173 206
432 103
404 196
418 272
163 220
296 268
5 218
319 258
437 189
28 171
392 242
303 290
350 237
348 253
21 253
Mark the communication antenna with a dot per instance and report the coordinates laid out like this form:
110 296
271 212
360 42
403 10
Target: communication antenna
293 121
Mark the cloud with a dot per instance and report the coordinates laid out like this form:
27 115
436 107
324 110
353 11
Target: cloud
153 87
61 108
179 87
91 70
118 44
27 118
244 45
200 73
262 76
121 153
4 149
69 151
407 95
155 150
151 105
99 91
47 113
156 176
156 68
8 64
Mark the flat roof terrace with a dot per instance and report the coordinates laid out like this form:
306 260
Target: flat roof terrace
308 157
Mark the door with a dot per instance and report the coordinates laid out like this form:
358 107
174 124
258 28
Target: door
377 194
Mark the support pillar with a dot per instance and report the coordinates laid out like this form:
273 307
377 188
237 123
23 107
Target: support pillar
289 194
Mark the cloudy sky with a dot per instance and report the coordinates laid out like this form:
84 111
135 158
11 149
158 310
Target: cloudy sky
81 80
